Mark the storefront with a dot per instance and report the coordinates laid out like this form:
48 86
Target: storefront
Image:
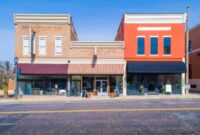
103 85
100 79
153 77
42 84
49 79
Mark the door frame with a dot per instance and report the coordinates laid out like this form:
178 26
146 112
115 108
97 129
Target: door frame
100 92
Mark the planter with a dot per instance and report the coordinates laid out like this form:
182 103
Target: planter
88 95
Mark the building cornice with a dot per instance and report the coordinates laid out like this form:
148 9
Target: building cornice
42 18
155 18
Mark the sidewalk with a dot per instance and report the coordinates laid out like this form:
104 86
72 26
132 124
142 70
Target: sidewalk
61 99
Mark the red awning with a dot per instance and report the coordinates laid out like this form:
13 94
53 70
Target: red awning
100 69
43 68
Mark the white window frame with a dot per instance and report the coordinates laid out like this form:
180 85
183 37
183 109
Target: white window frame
40 46
26 52
56 45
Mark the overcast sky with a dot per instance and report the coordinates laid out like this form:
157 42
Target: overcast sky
93 19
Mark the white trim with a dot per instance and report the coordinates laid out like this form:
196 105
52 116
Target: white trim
154 36
140 55
42 18
155 18
154 28
167 55
141 36
167 36
72 61
154 55
92 44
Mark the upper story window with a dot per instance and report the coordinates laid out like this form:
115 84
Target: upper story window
167 45
154 45
140 45
26 46
58 45
190 46
42 45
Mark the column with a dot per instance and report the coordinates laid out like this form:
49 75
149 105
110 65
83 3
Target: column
183 84
68 85
124 80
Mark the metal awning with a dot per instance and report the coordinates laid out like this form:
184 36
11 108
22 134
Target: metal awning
156 67
98 69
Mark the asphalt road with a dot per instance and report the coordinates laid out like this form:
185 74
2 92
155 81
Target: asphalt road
121 117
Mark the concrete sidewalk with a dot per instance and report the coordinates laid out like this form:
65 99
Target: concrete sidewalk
43 99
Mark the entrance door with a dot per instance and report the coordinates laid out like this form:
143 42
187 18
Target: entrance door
102 87
76 88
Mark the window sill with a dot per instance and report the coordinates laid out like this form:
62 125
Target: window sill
167 55
154 55
140 55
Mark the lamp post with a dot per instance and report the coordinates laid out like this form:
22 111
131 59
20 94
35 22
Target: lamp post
16 76
187 51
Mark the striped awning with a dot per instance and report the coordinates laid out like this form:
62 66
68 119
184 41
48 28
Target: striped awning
100 69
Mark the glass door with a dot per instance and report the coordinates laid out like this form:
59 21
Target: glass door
102 87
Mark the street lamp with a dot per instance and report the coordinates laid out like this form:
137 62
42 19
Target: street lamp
16 59
187 51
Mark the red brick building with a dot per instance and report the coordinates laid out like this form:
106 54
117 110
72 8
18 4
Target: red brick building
194 59
154 51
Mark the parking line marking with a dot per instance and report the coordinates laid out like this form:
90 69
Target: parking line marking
100 110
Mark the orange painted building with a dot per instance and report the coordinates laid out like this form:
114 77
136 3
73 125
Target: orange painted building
154 50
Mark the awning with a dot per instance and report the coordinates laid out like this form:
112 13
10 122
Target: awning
156 67
100 69
43 68
78 69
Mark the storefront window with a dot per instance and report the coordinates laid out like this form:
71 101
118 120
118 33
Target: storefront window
88 83
153 82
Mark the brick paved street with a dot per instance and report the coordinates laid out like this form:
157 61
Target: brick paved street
171 121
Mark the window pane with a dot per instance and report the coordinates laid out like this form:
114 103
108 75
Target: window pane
26 48
167 45
42 45
140 45
58 45
154 45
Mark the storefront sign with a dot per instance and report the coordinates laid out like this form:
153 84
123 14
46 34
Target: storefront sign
168 88
187 86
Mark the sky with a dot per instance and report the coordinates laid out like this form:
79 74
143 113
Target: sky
94 20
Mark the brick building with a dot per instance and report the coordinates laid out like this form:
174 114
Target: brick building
51 58
149 52
154 51
194 62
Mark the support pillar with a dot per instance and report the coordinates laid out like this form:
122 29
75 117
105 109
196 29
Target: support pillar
183 89
124 80
68 85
